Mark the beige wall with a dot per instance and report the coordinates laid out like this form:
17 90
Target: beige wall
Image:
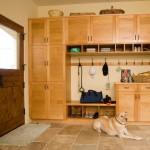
129 7
99 83
19 11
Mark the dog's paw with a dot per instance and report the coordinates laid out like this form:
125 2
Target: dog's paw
139 138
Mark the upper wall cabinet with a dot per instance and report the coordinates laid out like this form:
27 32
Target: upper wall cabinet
132 28
143 28
125 28
102 29
78 30
37 32
90 29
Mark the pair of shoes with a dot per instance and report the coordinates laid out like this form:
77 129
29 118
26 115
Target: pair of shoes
88 115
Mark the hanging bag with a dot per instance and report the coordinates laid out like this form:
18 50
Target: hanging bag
91 97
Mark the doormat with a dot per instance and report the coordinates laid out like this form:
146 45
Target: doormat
23 135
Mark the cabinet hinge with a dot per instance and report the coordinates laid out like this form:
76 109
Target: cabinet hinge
24 111
23 36
23 84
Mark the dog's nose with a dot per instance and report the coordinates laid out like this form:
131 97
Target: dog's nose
126 119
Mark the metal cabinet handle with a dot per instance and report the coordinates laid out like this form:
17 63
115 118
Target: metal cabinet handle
126 87
147 87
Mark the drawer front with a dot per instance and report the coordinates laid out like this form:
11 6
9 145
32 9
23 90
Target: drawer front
126 88
144 88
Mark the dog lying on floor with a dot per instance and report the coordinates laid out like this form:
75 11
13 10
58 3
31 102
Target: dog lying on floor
114 126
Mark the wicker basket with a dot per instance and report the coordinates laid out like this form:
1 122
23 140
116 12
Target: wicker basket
112 11
55 13
141 78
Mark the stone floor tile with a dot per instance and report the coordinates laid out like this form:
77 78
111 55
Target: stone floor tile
70 130
136 148
83 147
36 146
57 125
133 128
23 148
89 136
60 142
110 143
47 135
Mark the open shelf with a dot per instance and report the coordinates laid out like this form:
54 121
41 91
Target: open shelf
75 109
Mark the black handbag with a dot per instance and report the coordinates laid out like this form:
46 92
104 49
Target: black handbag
91 97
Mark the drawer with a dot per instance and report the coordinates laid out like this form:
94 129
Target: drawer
126 88
144 87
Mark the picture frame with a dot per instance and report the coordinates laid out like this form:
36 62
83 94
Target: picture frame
125 74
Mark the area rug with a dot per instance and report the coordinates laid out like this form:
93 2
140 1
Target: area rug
23 135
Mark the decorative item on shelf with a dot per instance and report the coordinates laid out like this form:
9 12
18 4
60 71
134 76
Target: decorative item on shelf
75 50
105 49
90 50
55 13
112 11
142 77
125 74
82 13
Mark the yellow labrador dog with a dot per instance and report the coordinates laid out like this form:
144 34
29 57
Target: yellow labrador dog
114 126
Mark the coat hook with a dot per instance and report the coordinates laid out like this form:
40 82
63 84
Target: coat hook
126 62
92 62
118 63
142 61
134 62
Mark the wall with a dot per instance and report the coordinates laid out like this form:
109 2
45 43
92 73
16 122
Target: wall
19 11
99 82
138 7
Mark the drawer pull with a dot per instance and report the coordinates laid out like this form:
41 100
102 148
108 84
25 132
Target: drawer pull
147 87
126 87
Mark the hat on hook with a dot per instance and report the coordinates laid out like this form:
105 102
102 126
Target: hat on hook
105 68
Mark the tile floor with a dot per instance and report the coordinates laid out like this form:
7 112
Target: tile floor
83 137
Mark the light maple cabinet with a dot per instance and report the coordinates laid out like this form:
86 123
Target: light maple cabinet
133 98
47 68
132 28
90 29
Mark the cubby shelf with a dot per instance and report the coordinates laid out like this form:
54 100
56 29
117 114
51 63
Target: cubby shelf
75 109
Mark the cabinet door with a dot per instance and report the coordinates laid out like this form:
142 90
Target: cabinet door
56 69
56 100
144 106
37 63
125 28
103 29
78 30
38 100
143 26
126 103
56 30
37 32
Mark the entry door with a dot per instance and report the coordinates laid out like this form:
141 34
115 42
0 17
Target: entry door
11 75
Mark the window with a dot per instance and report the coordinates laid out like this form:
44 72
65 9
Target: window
9 45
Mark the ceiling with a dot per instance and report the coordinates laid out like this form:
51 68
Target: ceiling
64 2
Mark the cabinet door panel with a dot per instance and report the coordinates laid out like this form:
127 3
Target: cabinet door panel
56 31
144 106
78 30
38 101
126 103
37 32
38 69
57 63
125 28
56 100
103 29
143 24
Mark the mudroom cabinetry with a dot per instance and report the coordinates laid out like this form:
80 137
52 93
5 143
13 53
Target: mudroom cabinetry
90 29
133 98
47 68
133 28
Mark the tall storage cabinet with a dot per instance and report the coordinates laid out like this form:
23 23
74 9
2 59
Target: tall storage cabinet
46 68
